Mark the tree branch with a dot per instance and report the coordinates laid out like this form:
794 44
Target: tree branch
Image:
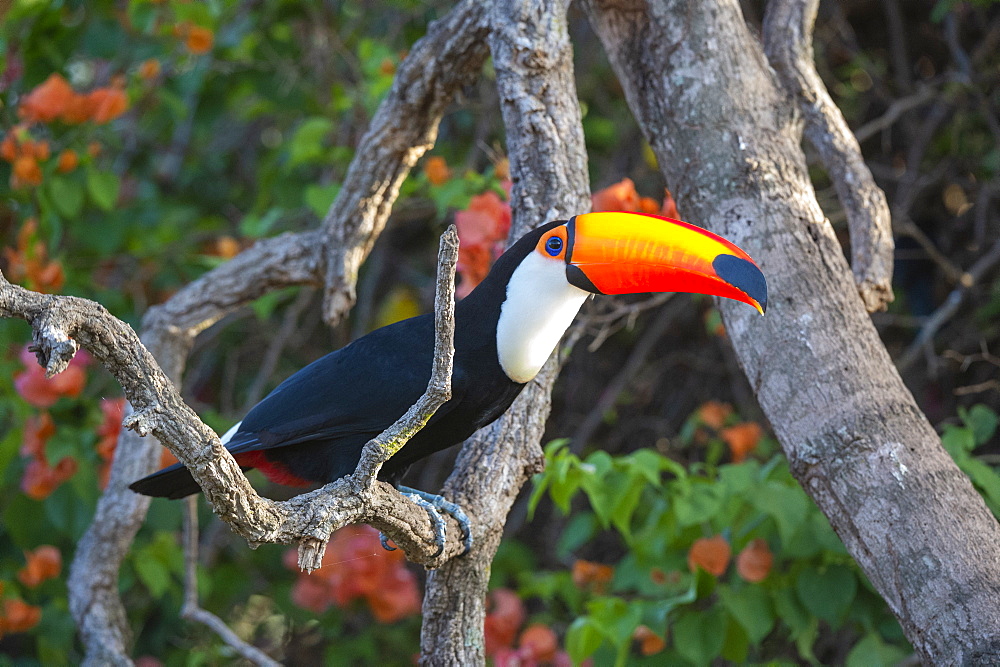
193 611
854 437
449 57
533 59
61 324
788 30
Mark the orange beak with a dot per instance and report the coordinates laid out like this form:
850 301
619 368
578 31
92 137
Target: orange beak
626 253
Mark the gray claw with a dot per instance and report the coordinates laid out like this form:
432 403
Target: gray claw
385 542
438 503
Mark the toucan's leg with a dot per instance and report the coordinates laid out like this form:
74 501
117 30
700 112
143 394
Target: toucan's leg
435 504
439 526
439 503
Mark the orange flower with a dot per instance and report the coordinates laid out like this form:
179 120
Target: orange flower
37 431
437 170
43 392
540 642
710 554
43 563
47 101
29 263
19 616
354 566
618 197
26 172
36 149
226 247
68 161
149 69
108 104
505 614
9 148
481 230
648 205
587 574
649 642
387 67
79 109
714 414
94 148
199 40
755 561
669 208
40 480
742 439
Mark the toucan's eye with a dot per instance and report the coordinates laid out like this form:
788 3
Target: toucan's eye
554 245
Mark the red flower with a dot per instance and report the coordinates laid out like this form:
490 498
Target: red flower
43 392
710 554
482 228
505 614
47 101
355 566
43 563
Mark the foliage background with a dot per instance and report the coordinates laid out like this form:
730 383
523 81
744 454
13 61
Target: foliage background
202 126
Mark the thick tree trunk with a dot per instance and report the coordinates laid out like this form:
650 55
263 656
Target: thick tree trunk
533 59
728 141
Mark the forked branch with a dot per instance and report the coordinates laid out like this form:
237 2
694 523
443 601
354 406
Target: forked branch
63 324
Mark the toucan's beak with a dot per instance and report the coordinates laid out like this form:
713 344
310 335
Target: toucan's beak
625 253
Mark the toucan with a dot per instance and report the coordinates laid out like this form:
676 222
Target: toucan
312 427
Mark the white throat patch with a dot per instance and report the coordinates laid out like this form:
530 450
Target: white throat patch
539 307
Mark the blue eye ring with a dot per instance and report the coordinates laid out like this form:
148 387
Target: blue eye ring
554 245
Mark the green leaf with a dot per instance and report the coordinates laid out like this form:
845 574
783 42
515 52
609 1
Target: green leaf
697 502
983 422
307 142
788 505
615 618
154 575
66 195
751 607
581 527
582 639
103 188
655 613
736 646
873 651
958 440
259 225
828 593
699 635
319 198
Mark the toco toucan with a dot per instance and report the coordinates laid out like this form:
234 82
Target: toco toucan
312 427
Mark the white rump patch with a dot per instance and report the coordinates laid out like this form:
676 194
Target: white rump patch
540 306
228 435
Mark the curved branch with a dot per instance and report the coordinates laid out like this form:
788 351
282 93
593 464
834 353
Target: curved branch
448 58
61 324
788 30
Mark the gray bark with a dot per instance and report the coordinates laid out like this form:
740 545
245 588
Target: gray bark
448 58
728 143
533 59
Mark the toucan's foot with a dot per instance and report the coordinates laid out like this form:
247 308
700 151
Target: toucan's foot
435 504
439 504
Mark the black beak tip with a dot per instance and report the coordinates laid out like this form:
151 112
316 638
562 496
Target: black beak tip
744 276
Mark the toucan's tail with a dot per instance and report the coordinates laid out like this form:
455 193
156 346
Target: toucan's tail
173 482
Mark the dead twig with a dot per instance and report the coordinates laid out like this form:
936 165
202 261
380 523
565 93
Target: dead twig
922 343
193 611
788 29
